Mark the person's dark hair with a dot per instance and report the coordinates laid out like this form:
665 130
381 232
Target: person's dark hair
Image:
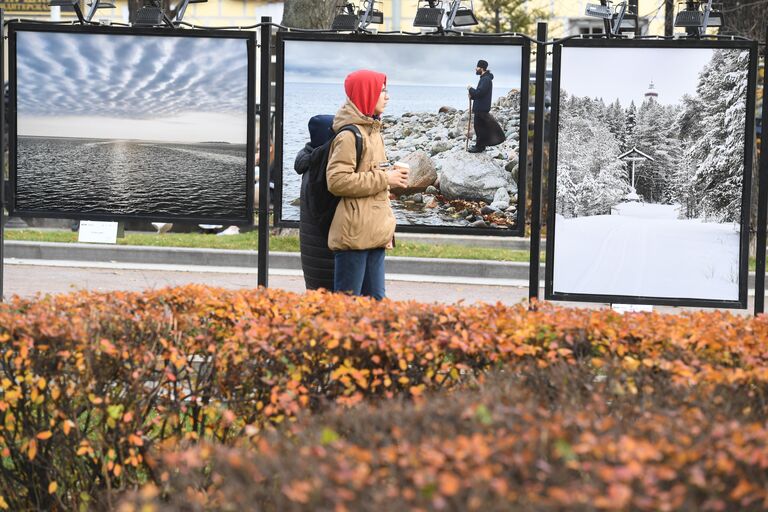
482 64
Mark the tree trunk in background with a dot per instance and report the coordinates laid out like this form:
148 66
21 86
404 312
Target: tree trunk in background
747 19
309 13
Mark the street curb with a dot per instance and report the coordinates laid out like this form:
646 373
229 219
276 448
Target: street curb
24 250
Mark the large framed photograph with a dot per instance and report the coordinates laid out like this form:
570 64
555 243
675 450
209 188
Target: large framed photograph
426 123
112 123
650 172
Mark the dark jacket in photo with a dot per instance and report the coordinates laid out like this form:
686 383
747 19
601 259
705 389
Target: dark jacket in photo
483 93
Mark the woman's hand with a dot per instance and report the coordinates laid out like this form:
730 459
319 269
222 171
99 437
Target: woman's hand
397 177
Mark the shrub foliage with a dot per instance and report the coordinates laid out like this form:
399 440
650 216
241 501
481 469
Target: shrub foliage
95 389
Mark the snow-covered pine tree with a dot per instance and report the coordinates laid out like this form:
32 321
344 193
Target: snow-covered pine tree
617 121
629 125
590 177
719 150
689 127
656 136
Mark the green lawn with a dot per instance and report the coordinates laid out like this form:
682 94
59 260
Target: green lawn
283 243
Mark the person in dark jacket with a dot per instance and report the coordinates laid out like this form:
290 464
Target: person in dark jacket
317 260
487 129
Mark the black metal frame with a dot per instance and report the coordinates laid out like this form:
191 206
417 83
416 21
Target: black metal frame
538 161
248 37
2 155
741 303
265 125
762 197
282 37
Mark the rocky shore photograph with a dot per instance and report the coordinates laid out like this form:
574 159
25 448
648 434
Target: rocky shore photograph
427 125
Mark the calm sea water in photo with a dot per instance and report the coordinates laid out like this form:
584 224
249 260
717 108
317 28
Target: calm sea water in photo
129 177
304 100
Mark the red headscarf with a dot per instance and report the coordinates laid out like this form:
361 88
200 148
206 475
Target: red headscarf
363 88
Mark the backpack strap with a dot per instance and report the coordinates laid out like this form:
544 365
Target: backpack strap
358 139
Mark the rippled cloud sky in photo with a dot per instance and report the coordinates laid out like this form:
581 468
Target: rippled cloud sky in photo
162 88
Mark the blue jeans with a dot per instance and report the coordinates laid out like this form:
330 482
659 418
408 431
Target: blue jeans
359 272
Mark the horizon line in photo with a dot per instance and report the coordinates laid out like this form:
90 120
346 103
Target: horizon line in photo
192 126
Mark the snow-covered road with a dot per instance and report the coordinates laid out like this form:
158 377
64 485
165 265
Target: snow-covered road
645 250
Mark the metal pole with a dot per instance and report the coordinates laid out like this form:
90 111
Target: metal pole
2 154
669 17
762 201
691 31
606 21
635 9
265 111
538 160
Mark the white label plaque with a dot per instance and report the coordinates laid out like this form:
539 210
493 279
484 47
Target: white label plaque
97 232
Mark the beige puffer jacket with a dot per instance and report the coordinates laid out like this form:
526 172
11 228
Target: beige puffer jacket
364 218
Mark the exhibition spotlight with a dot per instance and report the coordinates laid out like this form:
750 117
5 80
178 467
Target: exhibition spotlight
620 19
429 14
74 4
699 15
183 9
599 11
461 15
624 21
346 19
370 14
151 15
98 4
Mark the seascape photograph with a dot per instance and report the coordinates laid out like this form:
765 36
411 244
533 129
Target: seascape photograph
650 172
131 125
426 124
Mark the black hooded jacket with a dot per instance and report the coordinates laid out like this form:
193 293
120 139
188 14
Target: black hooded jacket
316 259
483 93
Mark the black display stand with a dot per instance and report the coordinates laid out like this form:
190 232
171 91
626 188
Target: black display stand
762 198
538 160
265 107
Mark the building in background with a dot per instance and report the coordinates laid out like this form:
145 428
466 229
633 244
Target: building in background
566 17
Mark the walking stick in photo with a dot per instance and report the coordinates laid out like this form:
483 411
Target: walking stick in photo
469 126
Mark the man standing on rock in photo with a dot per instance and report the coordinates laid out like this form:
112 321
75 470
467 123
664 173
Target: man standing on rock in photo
487 130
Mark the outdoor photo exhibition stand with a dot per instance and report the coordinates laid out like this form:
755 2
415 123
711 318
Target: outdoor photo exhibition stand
425 123
681 238
762 203
538 160
518 48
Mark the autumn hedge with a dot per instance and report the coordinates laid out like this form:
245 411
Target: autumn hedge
512 444
96 387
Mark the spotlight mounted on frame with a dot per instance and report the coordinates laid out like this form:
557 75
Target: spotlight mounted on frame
369 14
183 9
429 14
151 15
697 16
346 19
617 20
460 15
98 4
599 11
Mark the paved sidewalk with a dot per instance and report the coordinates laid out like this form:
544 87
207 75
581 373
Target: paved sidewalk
29 278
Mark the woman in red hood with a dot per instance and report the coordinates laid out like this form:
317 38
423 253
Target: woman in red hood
363 225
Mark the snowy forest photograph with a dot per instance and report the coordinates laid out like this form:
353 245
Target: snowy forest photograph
650 171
